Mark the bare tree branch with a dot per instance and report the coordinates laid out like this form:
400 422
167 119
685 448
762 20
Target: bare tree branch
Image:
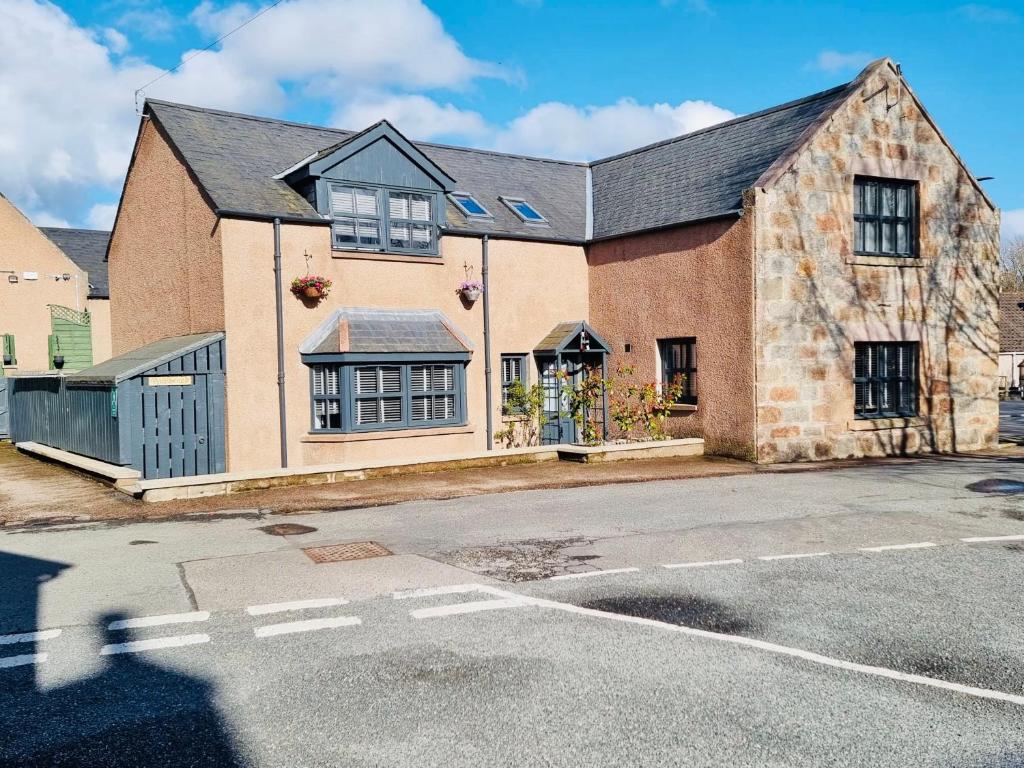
1011 265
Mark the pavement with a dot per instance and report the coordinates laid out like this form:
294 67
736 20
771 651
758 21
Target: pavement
867 615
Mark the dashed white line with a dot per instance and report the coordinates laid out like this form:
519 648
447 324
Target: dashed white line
454 589
309 625
457 608
980 539
30 637
155 644
794 557
158 621
590 574
20 661
703 563
888 547
295 605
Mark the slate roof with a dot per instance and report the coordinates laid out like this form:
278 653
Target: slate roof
88 249
235 158
144 358
563 333
699 175
357 330
1011 322
688 178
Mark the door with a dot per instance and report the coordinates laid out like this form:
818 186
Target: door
559 426
182 425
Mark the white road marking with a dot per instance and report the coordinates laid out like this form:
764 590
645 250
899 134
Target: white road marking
703 564
158 621
455 589
793 557
309 625
295 605
979 539
589 574
153 645
30 637
20 661
457 608
816 658
887 547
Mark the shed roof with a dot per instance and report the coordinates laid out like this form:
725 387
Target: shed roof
88 249
145 358
385 331
1011 322
562 335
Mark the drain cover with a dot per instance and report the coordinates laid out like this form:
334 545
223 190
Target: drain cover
997 485
336 553
286 529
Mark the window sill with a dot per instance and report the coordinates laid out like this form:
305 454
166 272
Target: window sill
426 258
384 434
874 425
682 408
885 261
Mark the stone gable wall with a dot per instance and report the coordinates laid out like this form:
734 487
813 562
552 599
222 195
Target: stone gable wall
815 298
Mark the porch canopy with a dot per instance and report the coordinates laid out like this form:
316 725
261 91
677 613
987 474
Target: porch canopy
357 334
571 336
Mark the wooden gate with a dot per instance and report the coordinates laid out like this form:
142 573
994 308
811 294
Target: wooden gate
5 417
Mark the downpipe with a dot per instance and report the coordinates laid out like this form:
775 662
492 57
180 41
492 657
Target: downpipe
279 311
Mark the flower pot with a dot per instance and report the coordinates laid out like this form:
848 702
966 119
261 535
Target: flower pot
58 361
311 292
471 294
8 360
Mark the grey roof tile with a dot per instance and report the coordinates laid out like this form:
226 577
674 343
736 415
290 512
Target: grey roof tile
88 249
386 331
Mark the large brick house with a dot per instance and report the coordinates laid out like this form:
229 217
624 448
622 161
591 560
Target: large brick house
822 273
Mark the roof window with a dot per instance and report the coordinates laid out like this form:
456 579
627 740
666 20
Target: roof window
524 210
469 205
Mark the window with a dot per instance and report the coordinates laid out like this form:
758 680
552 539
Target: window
513 369
469 206
884 217
524 210
885 379
358 397
679 358
9 357
409 225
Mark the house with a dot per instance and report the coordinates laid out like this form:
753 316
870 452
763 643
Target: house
1011 338
54 300
821 273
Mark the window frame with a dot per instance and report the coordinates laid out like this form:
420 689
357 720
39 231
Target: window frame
884 378
524 377
383 218
880 220
689 395
405 363
454 197
510 204
325 397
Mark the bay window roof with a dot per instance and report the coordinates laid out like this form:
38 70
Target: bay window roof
364 331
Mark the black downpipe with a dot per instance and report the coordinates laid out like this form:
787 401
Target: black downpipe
484 273
279 307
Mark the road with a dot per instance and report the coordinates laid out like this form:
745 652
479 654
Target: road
866 616
1011 421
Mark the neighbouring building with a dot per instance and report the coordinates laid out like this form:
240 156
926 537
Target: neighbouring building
822 273
54 300
1011 338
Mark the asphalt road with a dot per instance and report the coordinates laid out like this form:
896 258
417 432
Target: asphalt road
1011 421
854 617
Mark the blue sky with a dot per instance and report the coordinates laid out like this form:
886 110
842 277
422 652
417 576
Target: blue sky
569 79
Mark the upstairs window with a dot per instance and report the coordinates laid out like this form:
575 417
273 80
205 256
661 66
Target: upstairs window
884 217
469 205
885 379
679 359
524 210
380 219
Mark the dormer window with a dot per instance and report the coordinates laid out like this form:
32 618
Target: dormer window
469 205
524 210
409 226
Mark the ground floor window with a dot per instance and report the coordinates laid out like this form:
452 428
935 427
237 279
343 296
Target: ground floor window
513 369
679 359
885 379
354 397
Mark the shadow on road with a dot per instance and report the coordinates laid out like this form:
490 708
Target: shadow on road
129 713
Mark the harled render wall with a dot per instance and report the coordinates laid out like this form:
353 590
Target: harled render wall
815 299
524 307
165 267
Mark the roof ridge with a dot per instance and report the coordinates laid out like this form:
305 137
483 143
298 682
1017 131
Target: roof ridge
734 121
75 229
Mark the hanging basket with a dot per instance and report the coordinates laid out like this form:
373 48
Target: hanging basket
311 292
471 290
313 287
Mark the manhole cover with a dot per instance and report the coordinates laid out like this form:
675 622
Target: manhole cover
287 529
336 553
997 485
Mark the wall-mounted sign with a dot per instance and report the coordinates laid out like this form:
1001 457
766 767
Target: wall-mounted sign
168 381
30 275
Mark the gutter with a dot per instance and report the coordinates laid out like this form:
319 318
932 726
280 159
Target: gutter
485 274
279 313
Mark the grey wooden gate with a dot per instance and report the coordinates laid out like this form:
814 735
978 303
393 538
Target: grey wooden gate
5 418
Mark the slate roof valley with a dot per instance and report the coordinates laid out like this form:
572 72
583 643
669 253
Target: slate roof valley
88 249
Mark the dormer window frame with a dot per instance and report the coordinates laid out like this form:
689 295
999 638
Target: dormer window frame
386 224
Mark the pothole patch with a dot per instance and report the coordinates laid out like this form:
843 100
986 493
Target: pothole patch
525 560
681 609
1000 485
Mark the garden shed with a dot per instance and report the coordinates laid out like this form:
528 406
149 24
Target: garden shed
158 409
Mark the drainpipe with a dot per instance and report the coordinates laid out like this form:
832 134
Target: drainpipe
484 273
279 310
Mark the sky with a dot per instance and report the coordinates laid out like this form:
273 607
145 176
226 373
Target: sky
554 78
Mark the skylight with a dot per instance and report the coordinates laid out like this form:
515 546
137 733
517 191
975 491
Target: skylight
469 205
524 210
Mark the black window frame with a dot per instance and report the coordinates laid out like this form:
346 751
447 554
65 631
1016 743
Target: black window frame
687 366
879 221
383 219
883 388
524 376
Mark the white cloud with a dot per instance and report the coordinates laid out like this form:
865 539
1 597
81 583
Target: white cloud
1012 224
555 129
835 61
116 42
148 20
101 216
44 219
416 116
